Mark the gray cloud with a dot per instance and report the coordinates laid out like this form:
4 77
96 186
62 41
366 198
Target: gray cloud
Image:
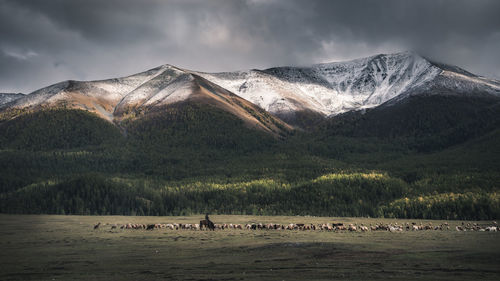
44 42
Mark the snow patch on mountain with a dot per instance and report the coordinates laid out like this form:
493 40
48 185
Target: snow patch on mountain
40 96
151 86
321 89
9 97
329 88
101 96
178 90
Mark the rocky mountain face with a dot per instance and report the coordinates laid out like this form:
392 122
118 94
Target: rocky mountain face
9 97
333 88
116 99
297 95
372 136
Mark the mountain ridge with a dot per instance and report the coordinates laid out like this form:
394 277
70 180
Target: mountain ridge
9 97
333 88
170 141
298 95
113 99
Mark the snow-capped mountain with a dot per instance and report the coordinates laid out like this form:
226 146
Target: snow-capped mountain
9 97
324 90
100 97
114 99
333 88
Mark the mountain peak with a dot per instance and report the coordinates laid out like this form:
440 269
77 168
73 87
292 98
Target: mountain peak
9 97
329 88
404 55
291 93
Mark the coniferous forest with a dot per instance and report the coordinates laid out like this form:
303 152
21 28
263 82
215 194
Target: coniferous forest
195 158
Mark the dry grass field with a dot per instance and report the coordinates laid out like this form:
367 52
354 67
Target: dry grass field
47 247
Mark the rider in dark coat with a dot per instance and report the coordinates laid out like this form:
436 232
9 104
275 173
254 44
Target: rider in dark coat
210 224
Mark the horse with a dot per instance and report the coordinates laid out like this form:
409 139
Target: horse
207 224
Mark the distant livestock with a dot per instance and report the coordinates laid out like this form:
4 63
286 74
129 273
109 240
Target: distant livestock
329 227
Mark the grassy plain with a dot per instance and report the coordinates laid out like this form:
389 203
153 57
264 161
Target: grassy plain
50 247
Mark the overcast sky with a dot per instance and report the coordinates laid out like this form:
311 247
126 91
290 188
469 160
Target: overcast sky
44 42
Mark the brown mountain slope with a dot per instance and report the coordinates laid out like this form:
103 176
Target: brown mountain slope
116 99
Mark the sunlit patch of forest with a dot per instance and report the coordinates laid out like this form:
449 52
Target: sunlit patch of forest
197 159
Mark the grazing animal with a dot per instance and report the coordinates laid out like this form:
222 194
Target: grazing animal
340 227
207 223
97 225
491 228
352 227
394 228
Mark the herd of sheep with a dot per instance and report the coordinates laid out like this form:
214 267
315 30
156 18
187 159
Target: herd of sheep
392 227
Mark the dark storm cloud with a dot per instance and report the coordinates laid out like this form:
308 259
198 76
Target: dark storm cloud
43 42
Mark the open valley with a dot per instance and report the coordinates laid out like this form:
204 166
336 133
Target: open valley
47 247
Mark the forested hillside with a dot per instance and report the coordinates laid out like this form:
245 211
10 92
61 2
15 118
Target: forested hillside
425 122
193 158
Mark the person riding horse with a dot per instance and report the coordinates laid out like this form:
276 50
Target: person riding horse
207 223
